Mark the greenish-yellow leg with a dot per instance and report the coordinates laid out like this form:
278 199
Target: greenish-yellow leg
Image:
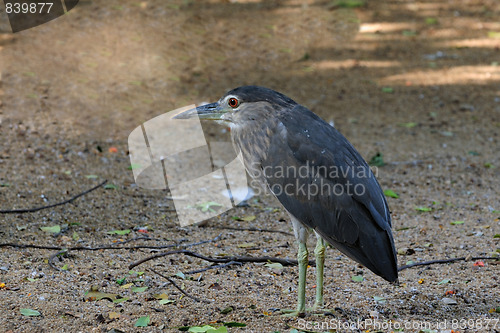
319 252
302 258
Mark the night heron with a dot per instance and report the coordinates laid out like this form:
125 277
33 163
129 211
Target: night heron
317 175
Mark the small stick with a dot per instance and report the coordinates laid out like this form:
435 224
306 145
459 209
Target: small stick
284 262
443 261
179 288
214 267
32 210
52 257
252 229
108 247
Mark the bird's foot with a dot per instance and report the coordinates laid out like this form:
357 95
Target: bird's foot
292 313
318 310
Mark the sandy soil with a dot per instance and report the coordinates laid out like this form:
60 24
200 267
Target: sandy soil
417 81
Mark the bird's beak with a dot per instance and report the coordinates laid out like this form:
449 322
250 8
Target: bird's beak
208 111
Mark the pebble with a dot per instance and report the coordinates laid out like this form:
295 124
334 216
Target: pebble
449 301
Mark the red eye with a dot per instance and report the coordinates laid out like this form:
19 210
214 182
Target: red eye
233 102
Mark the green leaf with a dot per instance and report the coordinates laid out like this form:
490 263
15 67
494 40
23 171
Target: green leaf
457 222
496 236
274 265
134 166
488 165
65 267
431 20
221 329
357 278
30 312
444 281
91 176
493 34
423 209
207 206
248 218
409 33
377 160
388 90
138 289
31 279
234 324
54 229
391 193
142 322
227 310
119 232
181 275
380 300
75 236
447 133
408 125
121 281
166 301
120 299
4 185
95 295
110 187
201 329
473 153
349 3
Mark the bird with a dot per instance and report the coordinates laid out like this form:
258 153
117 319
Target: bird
318 176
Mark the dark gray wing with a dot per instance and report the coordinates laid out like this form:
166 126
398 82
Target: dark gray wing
333 190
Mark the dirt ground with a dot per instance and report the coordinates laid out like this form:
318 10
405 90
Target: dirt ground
417 81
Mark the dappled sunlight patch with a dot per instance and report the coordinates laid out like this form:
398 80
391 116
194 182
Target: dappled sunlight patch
489 43
446 76
349 63
385 27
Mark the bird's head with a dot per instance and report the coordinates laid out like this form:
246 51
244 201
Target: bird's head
240 105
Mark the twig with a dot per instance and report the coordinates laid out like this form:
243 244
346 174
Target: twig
107 247
284 262
213 267
179 288
443 261
32 210
203 242
252 229
54 256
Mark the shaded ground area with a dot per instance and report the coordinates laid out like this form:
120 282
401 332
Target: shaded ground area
417 81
